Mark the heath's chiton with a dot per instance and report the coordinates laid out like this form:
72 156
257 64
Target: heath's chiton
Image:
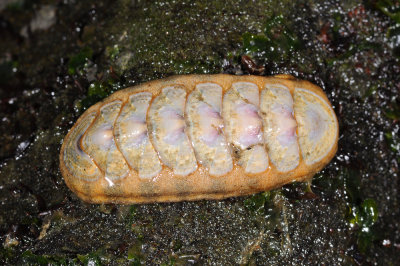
199 137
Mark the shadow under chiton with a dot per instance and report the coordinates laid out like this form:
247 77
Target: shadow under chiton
199 137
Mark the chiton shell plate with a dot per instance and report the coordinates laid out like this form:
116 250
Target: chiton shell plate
197 137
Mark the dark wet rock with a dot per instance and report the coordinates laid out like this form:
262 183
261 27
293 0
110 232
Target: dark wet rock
7 3
76 53
45 17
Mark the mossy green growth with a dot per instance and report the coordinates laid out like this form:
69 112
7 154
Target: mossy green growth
131 216
393 113
6 71
352 50
338 20
390 9
113 52
392 137
253 43
77 62
361 214
170 262
18 5
99 90
372 89
131 223
256 202
364 217
277 42
135 255
176 245
208 66
352 184
6 253
394 35
393 141
94 258
28 258
369 212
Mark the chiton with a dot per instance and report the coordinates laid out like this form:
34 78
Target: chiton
197 137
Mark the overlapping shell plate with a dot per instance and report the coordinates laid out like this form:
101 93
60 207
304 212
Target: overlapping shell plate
199 137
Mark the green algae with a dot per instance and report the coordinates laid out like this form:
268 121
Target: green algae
353 49
157 31
113 52
96 258
277 43
97 91
134 41
392 137
77 62
393 141
365 218
135 255
390 9
28 258
6 71
394 112
362 213
256 202
131 216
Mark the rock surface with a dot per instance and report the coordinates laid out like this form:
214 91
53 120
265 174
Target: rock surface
90 49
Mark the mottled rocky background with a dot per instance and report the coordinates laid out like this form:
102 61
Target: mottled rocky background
57 57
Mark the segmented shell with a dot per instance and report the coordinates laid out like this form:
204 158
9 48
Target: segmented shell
199 137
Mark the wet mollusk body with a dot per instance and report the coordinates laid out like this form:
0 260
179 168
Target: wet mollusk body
199 137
